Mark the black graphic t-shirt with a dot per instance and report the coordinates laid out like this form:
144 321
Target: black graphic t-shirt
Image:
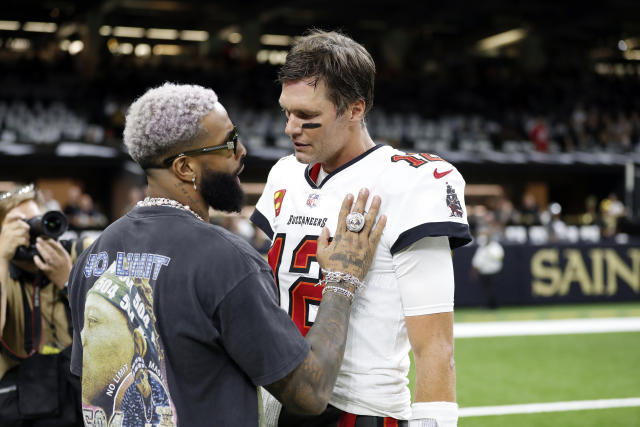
175 323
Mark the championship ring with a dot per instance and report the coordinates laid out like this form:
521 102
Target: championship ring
355 222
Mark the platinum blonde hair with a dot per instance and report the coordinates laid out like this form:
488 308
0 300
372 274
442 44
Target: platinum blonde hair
165 118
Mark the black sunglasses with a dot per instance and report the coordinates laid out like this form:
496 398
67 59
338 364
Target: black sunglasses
232 144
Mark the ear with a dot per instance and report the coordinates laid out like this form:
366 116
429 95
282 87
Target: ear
139 342
185 168
356 110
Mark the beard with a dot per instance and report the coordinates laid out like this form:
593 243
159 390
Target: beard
221 190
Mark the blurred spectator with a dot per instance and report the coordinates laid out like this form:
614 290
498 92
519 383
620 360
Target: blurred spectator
73 201
506 213
612 210
530 210
539 134
591 215
85 216
487 264
558 230
49 202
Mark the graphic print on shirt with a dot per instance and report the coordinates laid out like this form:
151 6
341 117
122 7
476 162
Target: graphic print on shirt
124 376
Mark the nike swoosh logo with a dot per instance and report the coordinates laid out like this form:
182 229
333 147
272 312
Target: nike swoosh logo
438 175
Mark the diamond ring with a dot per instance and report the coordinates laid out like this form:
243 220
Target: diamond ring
355 222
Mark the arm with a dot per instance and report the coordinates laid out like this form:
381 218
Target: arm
425 277
308 387
431 337
13 233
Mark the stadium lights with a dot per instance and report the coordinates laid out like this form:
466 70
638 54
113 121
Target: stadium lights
622 45
9 25
131 32
273 57
142 49
167 49
234 38
194 35
40 27
632 55
502 39
162 33
75 47
18 44
275 40
125 48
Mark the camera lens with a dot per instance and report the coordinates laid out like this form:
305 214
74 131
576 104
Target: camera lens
54 224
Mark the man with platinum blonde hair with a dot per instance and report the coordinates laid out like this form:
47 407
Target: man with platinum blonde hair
327 90
202 295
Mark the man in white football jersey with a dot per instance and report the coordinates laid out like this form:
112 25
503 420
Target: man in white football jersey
407 301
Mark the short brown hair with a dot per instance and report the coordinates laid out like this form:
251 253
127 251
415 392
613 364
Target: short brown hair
20 193
344 65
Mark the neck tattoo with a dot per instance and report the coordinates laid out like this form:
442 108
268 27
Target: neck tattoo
161 201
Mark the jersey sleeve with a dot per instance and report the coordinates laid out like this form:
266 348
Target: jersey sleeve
258 335
424 199
425 276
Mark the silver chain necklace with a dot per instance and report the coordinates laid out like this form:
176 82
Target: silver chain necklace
161 201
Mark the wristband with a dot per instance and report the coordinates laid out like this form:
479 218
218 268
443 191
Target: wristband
432 414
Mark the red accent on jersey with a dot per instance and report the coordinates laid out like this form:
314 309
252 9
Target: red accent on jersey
304 255
274 258
301 293
314 172
413 160
438 175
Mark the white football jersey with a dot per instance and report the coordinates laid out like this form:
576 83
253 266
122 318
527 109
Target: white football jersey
422 195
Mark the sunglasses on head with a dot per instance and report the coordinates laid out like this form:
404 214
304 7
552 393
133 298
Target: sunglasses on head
231 144
22 190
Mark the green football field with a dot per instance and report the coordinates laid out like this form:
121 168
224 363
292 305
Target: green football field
541 369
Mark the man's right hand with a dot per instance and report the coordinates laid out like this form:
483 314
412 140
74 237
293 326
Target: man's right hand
14 233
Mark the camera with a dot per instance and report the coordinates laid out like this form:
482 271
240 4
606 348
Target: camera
50 224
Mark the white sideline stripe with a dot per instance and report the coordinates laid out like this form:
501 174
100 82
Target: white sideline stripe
545 327
531 408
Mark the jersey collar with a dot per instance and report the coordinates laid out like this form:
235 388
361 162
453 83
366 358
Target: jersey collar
311 171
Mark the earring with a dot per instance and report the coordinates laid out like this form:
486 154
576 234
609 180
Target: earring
194 182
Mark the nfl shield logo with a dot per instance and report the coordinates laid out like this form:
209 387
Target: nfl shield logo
312 201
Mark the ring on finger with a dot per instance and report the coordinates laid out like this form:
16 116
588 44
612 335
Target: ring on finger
355 222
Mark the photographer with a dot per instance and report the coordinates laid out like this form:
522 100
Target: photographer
34 385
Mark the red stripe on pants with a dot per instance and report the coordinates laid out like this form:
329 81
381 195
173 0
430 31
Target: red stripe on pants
390 422
347 420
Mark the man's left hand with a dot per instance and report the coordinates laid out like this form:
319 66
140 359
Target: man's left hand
53 260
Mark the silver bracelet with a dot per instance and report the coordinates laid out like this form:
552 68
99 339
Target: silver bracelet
338 276
339 290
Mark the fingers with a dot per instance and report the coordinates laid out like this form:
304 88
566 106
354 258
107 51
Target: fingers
363 195
13 216
323 239
370 217
47 253
345 209
40 263
375 235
